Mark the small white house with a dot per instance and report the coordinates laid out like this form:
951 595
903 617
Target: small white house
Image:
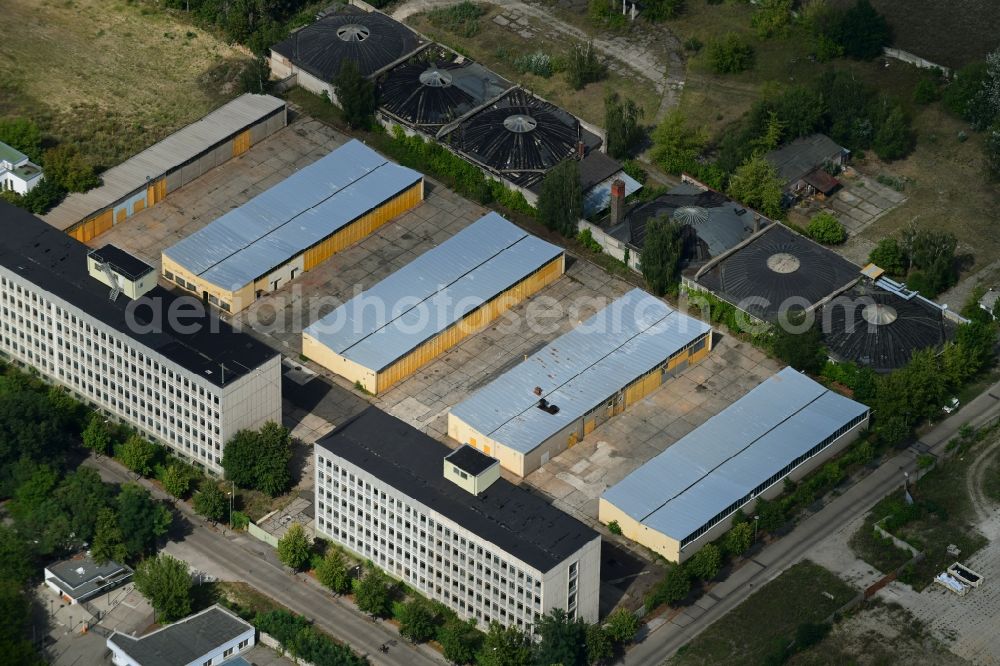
17 172
209 638
81 578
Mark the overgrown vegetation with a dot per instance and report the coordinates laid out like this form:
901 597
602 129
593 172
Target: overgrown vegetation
924 258
621 120
257 25
824 227
661 255
460 19
560 202
258 459
584 66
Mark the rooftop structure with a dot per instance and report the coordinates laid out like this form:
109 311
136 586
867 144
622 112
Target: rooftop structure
685 496
534 550
597 173
777 271
17 173
802 162
435 87
579 380
290 228
81 578
209 638
145 179
388 331
711 222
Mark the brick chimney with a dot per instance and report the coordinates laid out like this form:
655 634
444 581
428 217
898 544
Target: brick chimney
581 149
617 202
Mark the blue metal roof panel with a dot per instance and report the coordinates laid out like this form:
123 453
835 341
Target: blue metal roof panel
450 305
304 189
420 279
579 370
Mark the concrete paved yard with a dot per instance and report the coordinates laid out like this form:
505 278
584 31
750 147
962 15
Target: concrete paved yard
577 478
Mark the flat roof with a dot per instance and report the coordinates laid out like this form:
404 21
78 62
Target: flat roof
471 460
285 220
57 263
799 157
731 454
509 516
579 370
126 264
11 154
778 270
184 642
82 576
434 291
183 145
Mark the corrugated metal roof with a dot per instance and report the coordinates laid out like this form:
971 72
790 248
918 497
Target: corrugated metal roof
176 149
579 370
598 197
731 454
432 292
298 212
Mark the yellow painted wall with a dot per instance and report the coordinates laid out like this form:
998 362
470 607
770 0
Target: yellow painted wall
241 143
658 542
326 357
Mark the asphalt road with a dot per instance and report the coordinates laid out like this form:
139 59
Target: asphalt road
236 557
771 561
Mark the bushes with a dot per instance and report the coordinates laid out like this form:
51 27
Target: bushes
538 63
660 262
461 19
676 147
258 459
560 202
772 18
730 54
825 228
302 640
674 587
586 239
583 66
621 118
355 95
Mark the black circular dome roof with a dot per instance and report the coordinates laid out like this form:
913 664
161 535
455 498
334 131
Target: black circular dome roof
423 93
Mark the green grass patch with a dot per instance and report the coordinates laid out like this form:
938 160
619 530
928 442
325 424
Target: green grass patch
768 620
460 19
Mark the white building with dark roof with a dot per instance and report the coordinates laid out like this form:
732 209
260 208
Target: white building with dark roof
460 535
209 638
17 173
80 578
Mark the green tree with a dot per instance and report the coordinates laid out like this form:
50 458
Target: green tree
932 253
739 539
16 560
705 564
259 459
417 620
824 227
801 110
66 166
894 138
730 54
799 343
141 519
600 649
356 96
963 95
661 255
139 454
926 91
505 647
862 31
293 547
371 593
333 572
37 511
621 120
560 202
561 640
584 66
97 436
22 134
890 257
210 501
676 147
108 544
459 640
756 184
176 480
166 582
82 494
15 609
622 625
772 18
674 587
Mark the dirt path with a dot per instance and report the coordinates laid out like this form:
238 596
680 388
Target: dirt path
643 54
984 507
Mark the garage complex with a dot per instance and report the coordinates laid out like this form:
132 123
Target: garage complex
147 178
684 497
389 331
561 393
290 228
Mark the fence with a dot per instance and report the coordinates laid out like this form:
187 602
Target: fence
273 643
261 535
914 60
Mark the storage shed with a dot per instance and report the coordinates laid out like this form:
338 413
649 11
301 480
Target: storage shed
558 395
684 497
290 228
388 332
146 179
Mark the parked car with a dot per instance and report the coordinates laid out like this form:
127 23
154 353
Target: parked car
951 406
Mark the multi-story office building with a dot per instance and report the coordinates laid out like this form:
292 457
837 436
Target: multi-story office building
445 523
95 322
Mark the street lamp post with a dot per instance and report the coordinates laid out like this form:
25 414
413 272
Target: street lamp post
756 521
232 494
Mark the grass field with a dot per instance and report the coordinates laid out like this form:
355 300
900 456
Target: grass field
491 40
115 77
751 632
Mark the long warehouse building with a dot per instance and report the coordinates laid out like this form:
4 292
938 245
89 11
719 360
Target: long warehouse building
292 227
96 322
147 178
388 332
445 523
685 497
558 395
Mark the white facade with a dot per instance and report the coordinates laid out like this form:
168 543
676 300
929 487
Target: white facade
442 559
17 172
129 651
171 405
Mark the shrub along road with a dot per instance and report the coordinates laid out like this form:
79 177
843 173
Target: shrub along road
771 561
